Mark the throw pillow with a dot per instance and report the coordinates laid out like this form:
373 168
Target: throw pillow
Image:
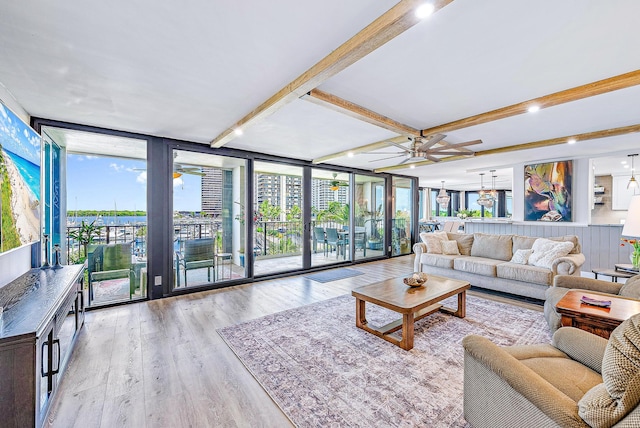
521 257
450 247
465 241
546 251
491 246
434 241
571 238
606 403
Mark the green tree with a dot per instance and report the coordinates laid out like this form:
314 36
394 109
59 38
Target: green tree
85 235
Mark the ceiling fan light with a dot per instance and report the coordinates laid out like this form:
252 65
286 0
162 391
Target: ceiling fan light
176 175
334 188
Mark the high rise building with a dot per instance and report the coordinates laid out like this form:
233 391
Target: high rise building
211 191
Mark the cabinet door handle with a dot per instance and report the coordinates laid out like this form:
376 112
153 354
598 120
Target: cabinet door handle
57 369
44 374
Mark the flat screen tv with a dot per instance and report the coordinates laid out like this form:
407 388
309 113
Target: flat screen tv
20 184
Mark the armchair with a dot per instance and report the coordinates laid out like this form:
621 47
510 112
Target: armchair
563 283
580 380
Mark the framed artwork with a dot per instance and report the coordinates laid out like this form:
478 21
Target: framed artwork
19 181
547 191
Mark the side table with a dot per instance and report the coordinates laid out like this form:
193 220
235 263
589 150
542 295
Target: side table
613 273
595 319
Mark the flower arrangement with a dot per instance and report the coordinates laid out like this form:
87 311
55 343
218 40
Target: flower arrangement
635 256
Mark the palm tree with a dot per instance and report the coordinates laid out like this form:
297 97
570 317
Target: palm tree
85 234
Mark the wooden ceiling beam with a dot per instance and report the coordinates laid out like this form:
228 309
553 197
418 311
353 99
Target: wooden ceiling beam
613 132
395 21
341 105
621 81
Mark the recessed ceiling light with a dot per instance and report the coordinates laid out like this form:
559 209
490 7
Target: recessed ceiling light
412 166
626 166
424 10
533 108
623 162
237 131
571 141
350 154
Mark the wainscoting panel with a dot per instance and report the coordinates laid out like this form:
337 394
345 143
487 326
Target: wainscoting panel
600 243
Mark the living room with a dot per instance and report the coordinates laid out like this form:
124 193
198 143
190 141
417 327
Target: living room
386 107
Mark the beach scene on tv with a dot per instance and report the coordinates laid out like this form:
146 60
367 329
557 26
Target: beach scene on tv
19 181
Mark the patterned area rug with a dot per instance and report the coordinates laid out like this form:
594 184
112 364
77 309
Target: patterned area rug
333 275
323 371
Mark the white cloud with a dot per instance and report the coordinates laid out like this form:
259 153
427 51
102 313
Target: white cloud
177 182
116 167
142 177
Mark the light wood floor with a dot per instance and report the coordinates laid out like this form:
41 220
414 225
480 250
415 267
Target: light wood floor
162 364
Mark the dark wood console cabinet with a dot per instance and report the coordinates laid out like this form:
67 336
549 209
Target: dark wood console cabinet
43 314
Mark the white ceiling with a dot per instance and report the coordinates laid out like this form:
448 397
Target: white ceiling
190 72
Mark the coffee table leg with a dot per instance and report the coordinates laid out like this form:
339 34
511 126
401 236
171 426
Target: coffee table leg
361 318
407 332
462 306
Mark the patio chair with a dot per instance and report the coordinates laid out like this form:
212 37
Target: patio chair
318 233
197 254
111 261
333 240
360 242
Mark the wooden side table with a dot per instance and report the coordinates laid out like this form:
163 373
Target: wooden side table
595 319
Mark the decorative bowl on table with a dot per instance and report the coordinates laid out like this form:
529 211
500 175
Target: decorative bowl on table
417 279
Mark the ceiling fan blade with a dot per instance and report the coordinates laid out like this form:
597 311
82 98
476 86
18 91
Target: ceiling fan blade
201 174
431 142
433 158
466 143
381 153
406 149
377 160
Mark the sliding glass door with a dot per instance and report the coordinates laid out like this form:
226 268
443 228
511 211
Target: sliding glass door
208 218
401 220
277 218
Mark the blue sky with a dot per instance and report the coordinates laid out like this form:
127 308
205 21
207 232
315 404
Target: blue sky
98 183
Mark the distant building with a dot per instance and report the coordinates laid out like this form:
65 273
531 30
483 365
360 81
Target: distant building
211 191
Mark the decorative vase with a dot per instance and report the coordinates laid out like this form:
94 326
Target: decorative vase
635 258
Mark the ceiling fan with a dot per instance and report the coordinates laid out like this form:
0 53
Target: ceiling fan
336 184
423 148
180 169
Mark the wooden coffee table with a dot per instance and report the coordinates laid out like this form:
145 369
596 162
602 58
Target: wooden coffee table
594 319
413 303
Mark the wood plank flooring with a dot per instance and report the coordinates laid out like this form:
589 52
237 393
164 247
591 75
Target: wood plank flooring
162 364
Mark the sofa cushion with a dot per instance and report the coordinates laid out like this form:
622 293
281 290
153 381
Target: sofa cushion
492 246
523 242
433 241
546 251
525 273
567 375
464 240
521 257
438 260
450 247
569 238
478 265
631 287
607 403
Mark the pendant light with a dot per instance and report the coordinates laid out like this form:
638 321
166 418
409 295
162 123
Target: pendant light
484 197
494 192
442 198
633 183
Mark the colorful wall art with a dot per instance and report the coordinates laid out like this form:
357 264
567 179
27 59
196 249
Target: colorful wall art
19 181
547 191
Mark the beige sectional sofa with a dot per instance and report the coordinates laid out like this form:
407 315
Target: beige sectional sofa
515 264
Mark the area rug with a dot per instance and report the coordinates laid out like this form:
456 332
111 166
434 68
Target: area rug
333 275
111 290
323 371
